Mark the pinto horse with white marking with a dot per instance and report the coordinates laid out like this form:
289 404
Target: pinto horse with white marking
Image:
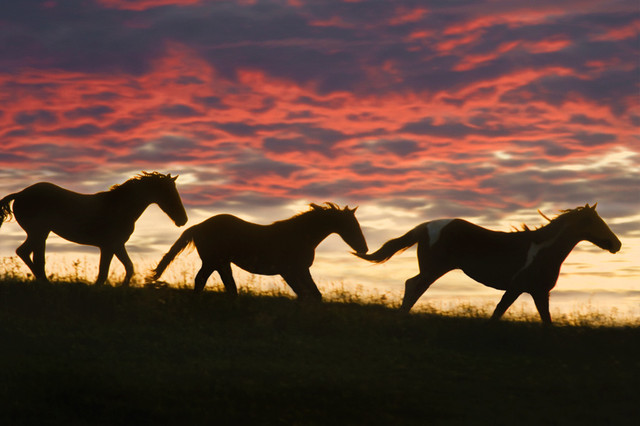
105 219
285 248
526 261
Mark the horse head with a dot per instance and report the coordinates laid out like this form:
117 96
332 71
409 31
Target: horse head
347 226
595 230
165 194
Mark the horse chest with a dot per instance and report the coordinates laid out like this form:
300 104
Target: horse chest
540 268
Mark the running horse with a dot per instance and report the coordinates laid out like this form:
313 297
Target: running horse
525 261
105 219
285 248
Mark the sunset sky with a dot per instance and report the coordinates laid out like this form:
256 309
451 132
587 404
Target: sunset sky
413 110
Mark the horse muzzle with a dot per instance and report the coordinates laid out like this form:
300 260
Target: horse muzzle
615 246
181 221
362 250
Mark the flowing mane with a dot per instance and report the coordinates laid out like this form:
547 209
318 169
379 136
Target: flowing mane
144 176
315 208
561 217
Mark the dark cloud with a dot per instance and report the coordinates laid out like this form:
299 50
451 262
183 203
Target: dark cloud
214 102
123 125
610 89
178 111
586 120
101 96
96 111
11 159
288 145
397 147
186 80
250 166
594 139
455 129
61 155
40 116
81 131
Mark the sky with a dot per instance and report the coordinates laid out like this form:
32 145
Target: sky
412 110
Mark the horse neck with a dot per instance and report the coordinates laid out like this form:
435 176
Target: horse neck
561 237
132 199
313 227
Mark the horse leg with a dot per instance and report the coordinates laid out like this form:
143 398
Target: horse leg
123 256
227 279
38 259
507 300
541 300
414 288
105 260
303 285
311 289
32 254
431 268
294 284
24 252
202 276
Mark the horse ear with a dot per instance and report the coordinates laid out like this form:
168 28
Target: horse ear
593 207
314 206
173 178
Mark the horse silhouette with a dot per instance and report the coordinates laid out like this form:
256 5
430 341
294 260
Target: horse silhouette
526 261
285 248
105 219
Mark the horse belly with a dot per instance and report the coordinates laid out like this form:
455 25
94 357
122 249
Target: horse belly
245 253
493 271
270 260
494 279
256 265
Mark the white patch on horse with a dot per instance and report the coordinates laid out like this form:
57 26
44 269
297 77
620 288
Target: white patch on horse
434 228
534 249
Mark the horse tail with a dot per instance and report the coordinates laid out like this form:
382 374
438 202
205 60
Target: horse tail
394 246
5 208
181 243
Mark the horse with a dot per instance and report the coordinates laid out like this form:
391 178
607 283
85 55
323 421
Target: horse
104 219
285 248
520 261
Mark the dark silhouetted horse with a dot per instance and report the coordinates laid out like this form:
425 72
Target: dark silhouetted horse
285 248
105 219
526 261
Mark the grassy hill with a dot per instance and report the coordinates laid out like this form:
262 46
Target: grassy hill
72 353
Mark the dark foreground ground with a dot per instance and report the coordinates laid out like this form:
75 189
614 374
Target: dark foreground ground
77 354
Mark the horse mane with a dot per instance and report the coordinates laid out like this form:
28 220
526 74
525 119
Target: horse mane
560 217
143 176
316 208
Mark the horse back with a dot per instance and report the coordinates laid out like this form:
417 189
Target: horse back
490 257
229 232
46 198
82 218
